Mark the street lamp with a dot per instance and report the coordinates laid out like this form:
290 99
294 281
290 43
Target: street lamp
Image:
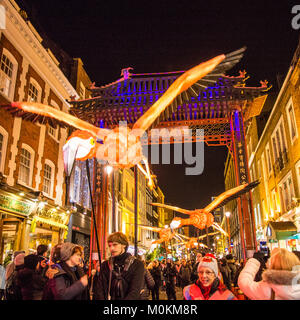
227 214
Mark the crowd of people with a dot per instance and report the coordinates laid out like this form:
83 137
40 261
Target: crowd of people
62 275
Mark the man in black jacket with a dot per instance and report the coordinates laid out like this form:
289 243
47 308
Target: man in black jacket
122 276
169 274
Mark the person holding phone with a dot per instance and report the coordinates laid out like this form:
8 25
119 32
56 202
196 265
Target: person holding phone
70 281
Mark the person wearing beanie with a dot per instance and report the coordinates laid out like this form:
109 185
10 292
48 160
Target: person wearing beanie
69 280
122 276
208 286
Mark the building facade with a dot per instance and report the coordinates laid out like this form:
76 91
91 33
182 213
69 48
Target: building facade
274 158
31 162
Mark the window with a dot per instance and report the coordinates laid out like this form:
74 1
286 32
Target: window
34 91
26 165
53 132
3 146
268 156
48 182
286 190
258 169
278 142
8 74
291 120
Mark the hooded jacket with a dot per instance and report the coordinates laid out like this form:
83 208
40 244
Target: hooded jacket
66 285
286 284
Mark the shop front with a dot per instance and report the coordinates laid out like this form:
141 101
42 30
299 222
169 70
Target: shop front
49 226
280 235
14 213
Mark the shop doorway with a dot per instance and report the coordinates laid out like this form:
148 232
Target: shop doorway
10 235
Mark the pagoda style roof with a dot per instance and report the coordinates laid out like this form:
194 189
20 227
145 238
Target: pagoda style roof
130 96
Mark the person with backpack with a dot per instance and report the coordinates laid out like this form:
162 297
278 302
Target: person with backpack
121 276
12 290
69 281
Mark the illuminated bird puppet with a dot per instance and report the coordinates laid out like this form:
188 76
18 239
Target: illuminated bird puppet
165 234
121 147
202 218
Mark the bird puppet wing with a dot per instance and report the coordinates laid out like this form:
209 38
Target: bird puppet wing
229 195
172 208
188 85
38 112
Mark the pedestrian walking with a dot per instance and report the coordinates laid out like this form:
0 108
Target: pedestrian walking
208 286
232 266
155 271
280 281
69 282
185 273
169 276
148 284
226 273
122 275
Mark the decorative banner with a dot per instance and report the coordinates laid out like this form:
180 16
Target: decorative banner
239 144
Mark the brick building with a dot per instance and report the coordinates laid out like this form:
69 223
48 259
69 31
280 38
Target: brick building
32 190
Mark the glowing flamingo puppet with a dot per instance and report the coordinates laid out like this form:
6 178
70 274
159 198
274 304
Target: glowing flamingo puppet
121 147
202 218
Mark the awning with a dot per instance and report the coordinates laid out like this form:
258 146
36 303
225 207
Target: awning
282 230
296 236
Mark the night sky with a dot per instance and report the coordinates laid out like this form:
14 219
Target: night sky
160 36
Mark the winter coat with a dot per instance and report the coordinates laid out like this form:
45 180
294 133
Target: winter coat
147 285
185 274
66 285
31 284
132 279
156 275
226 274
286 284
169 274
217 292
233 268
